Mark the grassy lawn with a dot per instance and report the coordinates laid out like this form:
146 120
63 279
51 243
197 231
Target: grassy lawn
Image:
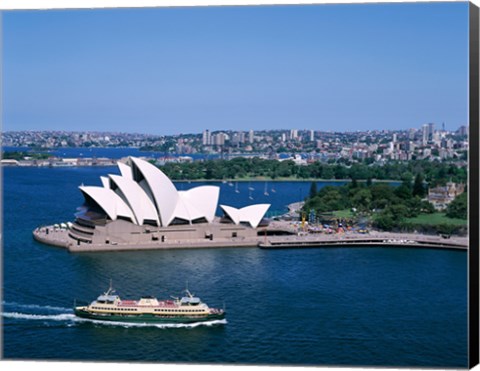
435 219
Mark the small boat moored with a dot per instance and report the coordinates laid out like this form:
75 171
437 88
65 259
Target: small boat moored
188 309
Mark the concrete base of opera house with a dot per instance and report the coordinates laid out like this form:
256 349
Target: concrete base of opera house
223 235
121 235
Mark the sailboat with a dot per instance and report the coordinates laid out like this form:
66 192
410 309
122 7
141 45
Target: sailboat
236 188
265 192
250 193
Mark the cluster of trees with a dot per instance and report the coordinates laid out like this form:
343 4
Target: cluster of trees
386 205
435 173
458 208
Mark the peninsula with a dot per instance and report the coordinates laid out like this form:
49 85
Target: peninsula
141 209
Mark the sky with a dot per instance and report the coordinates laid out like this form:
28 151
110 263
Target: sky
166 71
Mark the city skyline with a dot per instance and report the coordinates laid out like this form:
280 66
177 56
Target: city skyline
168 71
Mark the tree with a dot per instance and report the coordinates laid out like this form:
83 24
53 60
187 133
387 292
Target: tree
458 208
327 173
418 188
354 183
313 189
340 172
384 221
362 199
404 191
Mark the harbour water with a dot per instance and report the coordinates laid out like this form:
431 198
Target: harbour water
114 152
336 306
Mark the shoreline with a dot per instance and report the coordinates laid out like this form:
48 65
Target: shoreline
243 180
60 238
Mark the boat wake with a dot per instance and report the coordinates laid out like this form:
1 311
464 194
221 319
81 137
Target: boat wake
36 307
70 319
155 325
49 317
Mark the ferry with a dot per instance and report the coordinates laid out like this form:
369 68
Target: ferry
188 309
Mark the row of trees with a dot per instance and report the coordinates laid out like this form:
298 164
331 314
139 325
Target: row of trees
434 173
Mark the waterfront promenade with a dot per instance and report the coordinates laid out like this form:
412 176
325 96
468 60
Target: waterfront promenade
59 237
374 238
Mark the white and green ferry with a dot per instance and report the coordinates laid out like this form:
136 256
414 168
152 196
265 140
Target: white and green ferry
188 309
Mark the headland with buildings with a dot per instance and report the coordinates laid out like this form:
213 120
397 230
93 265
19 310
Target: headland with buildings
430 142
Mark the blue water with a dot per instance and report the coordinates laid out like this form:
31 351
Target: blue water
102 152
330 306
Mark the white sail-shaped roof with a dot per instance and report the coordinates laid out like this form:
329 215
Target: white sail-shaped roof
201 201
111 203
185 211
252 214
162 189
232 212
125 170
144 193
105 181
137 199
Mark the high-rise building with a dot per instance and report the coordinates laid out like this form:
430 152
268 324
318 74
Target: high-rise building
241 137
312 135
462 130
424 134
410 146
431 130
219 139
436 138
206 138
250 136
411 134
293 134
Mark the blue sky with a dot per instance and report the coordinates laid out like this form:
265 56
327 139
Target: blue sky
182 70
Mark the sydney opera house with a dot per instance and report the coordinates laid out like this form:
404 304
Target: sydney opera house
143 206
